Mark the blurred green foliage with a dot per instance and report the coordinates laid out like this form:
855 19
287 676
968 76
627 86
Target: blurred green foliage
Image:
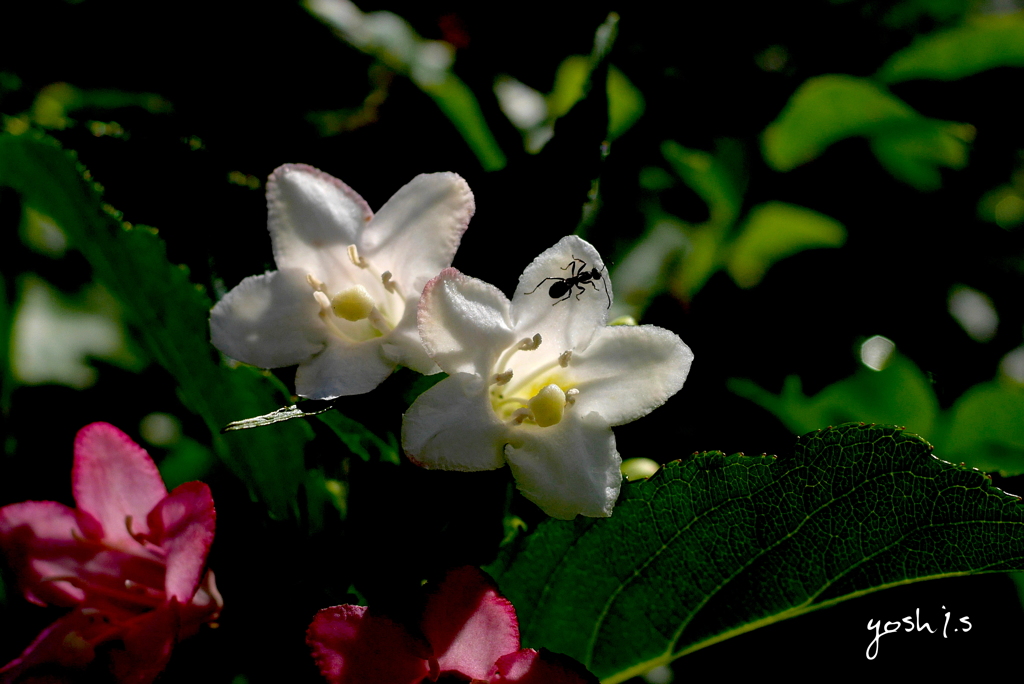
984 428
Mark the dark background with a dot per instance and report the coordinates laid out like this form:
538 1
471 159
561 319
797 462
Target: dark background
243 77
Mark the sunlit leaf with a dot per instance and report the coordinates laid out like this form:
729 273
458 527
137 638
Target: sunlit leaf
625 103
985 42
713 546
913 151
986 427
168 313
570 80
899 393
827 109
774 231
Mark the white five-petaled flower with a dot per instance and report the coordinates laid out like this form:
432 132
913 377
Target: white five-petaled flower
342 304
539 382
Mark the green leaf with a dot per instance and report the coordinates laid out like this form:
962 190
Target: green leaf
774 231
360 441
717 178
985 42
625 103
986 427
168 313
899 393
827 109
459 104
714 546
428 64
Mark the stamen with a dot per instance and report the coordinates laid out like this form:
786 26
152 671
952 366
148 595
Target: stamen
525 344
520 415
322 300
501 378
380 323
389 284
564 358
317 285
353 254
570 396
530 345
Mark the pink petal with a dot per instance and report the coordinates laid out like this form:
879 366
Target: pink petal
205 607
61 643
353 647
530 667
148 641
469 625
182 524
113 478
39 540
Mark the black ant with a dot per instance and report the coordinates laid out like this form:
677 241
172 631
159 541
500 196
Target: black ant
578 279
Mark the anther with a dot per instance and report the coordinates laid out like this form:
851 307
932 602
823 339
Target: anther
389 284
526 344
353 255
501 378
564 358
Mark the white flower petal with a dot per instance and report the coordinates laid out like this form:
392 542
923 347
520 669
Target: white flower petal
628 371
568 320
568 469
405 347
451 427
343 369
464 323
270 321
313 217
415 234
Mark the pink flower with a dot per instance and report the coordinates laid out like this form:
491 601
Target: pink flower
129 561
466 629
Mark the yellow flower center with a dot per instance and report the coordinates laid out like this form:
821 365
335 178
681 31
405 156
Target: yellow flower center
370 308
539 396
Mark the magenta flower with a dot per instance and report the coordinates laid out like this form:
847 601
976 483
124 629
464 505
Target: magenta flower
129 560
466 629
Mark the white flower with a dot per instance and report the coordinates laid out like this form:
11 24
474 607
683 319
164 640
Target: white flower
539 382
342 303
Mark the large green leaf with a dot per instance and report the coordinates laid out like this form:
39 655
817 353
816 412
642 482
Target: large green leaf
168 313
774 231
986 42
713 546
830 108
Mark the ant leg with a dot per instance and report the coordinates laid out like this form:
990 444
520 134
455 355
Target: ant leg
541 283
582 290
573 264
